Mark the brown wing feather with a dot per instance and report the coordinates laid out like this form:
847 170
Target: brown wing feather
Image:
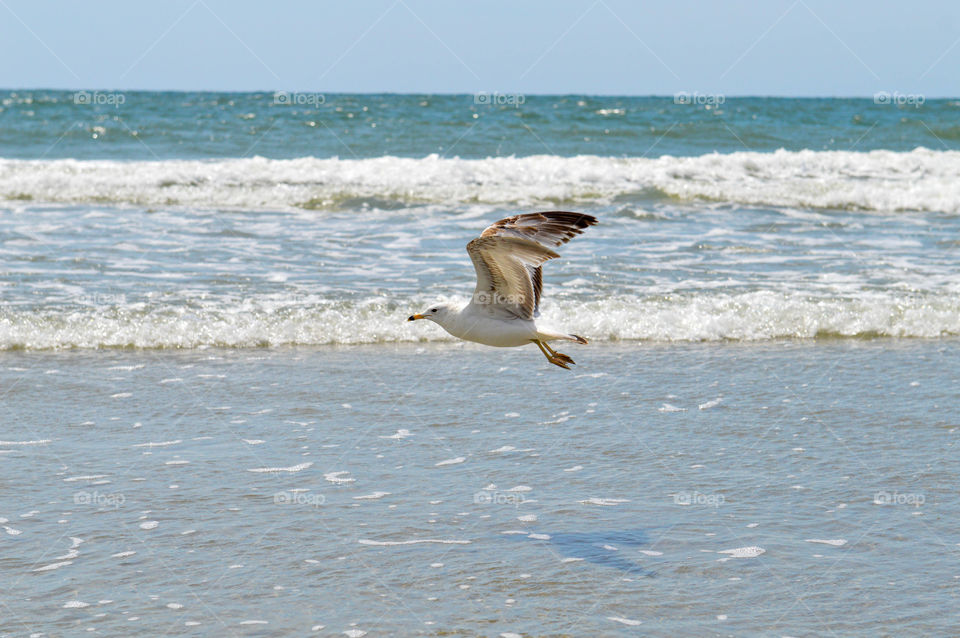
537 278
551 228
509 254
503 266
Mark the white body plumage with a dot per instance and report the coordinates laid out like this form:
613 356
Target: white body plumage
474 322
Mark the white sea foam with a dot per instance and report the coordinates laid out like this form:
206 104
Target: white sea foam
373 496
712 403
441 541
625 621
158 443
400 434
743 552
338 477
668 407
604 501
35 442
921 179
704 316
836 542
53 566
292 468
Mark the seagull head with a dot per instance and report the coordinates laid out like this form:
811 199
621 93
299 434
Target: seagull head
437 313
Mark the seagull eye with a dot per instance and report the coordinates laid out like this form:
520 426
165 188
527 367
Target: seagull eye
433 310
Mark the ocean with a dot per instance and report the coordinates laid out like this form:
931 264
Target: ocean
218 422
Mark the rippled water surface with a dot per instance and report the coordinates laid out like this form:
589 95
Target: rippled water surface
216 420
687 489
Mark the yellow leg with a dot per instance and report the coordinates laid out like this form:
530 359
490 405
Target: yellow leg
558 355
555 358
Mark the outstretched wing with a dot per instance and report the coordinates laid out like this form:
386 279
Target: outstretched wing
509 255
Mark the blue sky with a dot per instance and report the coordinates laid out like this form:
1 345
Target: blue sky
621 47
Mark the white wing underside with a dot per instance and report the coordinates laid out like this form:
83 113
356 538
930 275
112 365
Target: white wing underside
508 257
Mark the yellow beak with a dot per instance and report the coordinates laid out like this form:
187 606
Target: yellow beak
414 317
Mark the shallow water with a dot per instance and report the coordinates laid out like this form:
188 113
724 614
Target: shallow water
215 420
779 488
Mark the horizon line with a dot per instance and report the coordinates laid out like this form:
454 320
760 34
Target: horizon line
474 93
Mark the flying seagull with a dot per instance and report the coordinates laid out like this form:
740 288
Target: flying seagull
508 257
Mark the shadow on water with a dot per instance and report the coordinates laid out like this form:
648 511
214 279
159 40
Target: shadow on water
600 548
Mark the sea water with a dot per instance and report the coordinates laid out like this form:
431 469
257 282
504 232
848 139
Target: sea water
217 422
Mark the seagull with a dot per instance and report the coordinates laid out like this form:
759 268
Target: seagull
508 257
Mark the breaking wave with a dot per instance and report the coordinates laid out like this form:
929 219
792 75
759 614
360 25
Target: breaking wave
748 316
921 180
